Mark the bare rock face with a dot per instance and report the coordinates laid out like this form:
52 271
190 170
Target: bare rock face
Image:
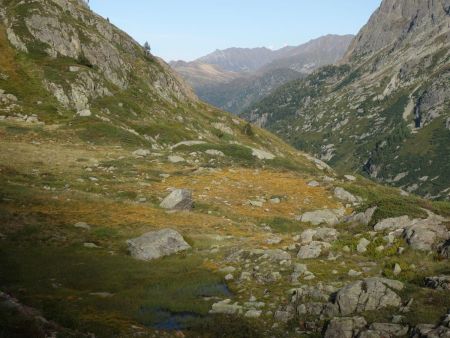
178 199
345 327
397 21
156 244
368 295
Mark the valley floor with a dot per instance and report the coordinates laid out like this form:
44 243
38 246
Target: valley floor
67 209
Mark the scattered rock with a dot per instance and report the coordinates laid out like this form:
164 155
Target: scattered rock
312 249
397 269
319 234
91 245
178 199
444 249
214 152
438 282
344 195
188 143
424 234
430 331
313 184
362 245
393 223
228 269
350 177
345 327
229 277
354 273
257 204
274 240
141 152
276 255
225 307
101 294
317 217
369 294
389 329
176 159
253 313
284 314
262 154
363 218
82 225
84 113
156 244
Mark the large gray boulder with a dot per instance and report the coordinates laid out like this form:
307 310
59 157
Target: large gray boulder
345 327
392 223
363 218
313 249
317 217
424 234
368 295
178 199
320 234
156 244
344 195
420 234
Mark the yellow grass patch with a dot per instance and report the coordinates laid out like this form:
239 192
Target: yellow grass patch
232 189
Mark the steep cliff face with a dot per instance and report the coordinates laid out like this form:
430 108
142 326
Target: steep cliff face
399 22
385 109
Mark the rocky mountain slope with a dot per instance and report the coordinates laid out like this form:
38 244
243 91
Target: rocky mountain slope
234 88
385 110
130 208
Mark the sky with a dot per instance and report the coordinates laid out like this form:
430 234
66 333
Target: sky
188 29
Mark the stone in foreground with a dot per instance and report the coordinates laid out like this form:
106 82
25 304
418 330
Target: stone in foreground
157 244
178 199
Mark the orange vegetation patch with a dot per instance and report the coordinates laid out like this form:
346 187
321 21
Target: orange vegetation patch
232 190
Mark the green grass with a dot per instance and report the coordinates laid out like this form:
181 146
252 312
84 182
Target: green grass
138 288
283 225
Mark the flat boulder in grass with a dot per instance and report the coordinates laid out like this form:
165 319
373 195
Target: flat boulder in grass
325 216
363 218
344 195
157 244
393 223
178 199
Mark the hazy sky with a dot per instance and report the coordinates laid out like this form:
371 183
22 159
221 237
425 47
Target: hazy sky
187 29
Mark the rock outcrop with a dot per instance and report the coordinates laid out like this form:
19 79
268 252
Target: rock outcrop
368 295
178 199
157 244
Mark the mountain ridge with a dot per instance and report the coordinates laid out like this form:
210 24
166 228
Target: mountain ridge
235 91
394 77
